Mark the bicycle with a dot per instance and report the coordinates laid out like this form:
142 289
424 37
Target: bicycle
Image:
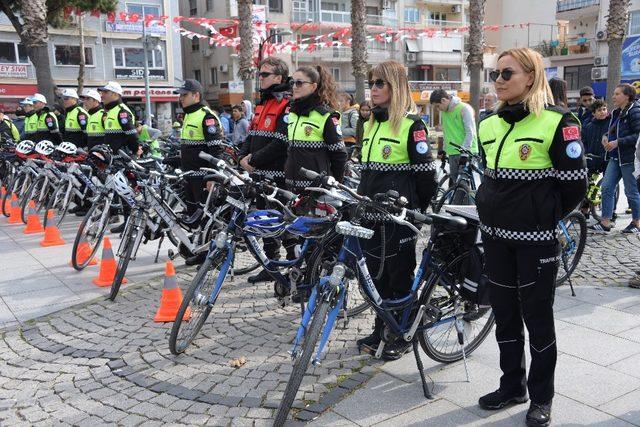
572 236
245 226
434 299
463 191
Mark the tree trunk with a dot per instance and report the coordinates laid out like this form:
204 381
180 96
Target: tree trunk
83 60
34 34
359 46
476 50
246 47
616 27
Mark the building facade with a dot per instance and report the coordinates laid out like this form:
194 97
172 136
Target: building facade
113 52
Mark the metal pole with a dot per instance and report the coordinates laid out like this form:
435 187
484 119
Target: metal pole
147 94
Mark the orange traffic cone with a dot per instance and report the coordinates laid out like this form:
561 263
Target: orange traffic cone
51 233
84 252
107 266
15 216
33 220
171 298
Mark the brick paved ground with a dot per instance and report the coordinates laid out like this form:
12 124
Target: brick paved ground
106 362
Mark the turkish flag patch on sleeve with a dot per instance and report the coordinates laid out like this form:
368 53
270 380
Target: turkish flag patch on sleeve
571 133
210 122
123 115
419 135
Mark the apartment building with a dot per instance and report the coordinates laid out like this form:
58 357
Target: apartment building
113 52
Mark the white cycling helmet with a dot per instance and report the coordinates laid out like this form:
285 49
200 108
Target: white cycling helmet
25 147
45 147
67 148
121 185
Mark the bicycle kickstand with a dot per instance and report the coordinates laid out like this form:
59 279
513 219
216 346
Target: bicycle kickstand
460 330
564 261
416 352
155 261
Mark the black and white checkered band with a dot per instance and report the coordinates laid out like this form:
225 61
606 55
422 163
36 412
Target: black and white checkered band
523 236
114 131
267 134
424 167
193 142
71 130
269 174
298 184
338 146
131 132
307 144
536 174
215 142
386 167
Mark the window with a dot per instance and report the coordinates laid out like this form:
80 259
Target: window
209 5
70 55
195 44
144 9
634 22
577 76
437 16
276 39
214 76
13 53
275 6
132 57
335 72
196 75
411 14
193 7
448 74
415 74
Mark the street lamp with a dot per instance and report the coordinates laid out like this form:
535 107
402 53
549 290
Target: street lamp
263 42
149 43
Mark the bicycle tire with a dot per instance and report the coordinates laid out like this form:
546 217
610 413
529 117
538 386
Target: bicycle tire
62 212
33 191
99 235
199 312
129 238
314 272
450 194
6 204
51 204
301 363
582 223
432 283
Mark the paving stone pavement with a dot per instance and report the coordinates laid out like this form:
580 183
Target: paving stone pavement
108 363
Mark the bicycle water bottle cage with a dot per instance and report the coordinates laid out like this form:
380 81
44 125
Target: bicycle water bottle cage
309 227
264 223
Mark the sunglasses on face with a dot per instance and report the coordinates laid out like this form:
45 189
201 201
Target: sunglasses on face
506 74
379 83
265 74
299 83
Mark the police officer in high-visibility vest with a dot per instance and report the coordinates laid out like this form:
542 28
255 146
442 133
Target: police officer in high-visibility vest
315 137
47 124
395 156
119 129
201 131
8 131
536 174
149 136
30 119
458 126
94 131
76 118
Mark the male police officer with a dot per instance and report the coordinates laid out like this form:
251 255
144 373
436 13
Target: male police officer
76 117
94 130
30 119
8 131
47 125
201 131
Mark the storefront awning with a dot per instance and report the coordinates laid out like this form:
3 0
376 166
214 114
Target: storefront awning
17 91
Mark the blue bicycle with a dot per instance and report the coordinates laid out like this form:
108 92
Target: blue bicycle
247 227
434 313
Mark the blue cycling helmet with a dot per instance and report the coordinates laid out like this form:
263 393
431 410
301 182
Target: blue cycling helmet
264 223
306 226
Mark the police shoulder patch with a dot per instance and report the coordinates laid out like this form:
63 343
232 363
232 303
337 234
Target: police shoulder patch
571 133
419 135
210 122
574 149
123 115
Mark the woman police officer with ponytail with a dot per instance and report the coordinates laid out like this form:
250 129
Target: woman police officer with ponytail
536 174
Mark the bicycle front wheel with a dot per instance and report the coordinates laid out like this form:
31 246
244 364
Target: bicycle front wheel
92 229
129 238
440 341
572 242
196 303
302 360
459 194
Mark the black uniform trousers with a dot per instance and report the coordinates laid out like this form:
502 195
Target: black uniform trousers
195 194
522 286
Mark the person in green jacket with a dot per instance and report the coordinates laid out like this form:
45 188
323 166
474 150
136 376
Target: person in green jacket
150 136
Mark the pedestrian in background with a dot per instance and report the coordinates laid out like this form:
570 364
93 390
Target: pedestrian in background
364 112
348 120
585 113
247 110
240 125
490 100
620 146
559 91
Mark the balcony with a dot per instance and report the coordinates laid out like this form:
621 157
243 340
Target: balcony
570 10
443 2
577 49
339 17
342 54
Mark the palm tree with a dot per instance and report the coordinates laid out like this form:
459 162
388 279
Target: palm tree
616 27
83 60
476 50
34 35
246 47
359 45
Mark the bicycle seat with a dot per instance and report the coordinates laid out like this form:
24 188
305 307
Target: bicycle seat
192 221
449 222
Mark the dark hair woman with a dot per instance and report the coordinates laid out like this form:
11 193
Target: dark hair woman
559 91
315 137
536 174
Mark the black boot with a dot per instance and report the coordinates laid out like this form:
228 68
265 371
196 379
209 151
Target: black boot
499 399
196 259
539 415
370 343
263 276
396 350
